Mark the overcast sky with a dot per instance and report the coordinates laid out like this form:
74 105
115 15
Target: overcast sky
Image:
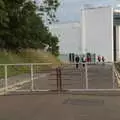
69 10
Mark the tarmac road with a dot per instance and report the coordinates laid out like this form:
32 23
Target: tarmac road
59 107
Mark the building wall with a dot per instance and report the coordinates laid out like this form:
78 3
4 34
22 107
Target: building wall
97 31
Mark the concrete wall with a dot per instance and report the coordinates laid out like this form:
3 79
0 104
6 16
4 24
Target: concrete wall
97 31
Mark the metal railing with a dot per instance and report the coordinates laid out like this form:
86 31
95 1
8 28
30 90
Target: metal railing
31 77
27 77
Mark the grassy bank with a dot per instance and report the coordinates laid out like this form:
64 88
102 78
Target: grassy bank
26 56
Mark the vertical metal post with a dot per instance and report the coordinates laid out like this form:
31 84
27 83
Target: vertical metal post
57 78
32 77
86 75
6 79
80 75
113 75
60 79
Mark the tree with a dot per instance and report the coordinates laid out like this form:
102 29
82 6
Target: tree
49 7
53 44
3 22
23 27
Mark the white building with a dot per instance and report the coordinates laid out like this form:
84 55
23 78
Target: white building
93 34
97 31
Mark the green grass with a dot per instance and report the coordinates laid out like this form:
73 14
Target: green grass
26 56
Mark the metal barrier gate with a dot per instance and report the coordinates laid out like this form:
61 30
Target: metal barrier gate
74 78
42 78
91 77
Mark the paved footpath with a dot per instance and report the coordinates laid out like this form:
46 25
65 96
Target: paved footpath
99 77
59 107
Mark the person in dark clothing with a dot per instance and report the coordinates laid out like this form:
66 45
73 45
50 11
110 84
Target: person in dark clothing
103 60
73 57
99 59
77 59
83 60
70 57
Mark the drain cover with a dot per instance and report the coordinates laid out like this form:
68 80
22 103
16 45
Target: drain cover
83 101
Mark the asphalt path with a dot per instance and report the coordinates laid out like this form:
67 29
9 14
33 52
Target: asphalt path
59 107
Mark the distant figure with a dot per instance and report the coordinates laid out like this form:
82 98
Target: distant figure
77 59
88 59
70 57
103 59
83 60
99 59
73 57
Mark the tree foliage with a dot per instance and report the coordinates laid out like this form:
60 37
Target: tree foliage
22 26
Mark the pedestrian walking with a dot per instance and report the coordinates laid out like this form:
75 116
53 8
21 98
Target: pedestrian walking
99 59
83 60
77 59
70 57
103 59
73 57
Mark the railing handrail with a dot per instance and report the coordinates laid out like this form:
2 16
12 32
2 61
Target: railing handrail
26 64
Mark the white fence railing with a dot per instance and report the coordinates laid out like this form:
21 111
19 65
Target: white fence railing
25 77
42 77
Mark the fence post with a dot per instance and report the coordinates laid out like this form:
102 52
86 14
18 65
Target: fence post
86 75
6 79
32 78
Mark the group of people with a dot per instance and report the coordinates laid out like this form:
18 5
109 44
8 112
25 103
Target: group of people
101 58
84 60
77 59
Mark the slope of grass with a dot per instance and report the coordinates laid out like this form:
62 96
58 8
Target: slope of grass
26 56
